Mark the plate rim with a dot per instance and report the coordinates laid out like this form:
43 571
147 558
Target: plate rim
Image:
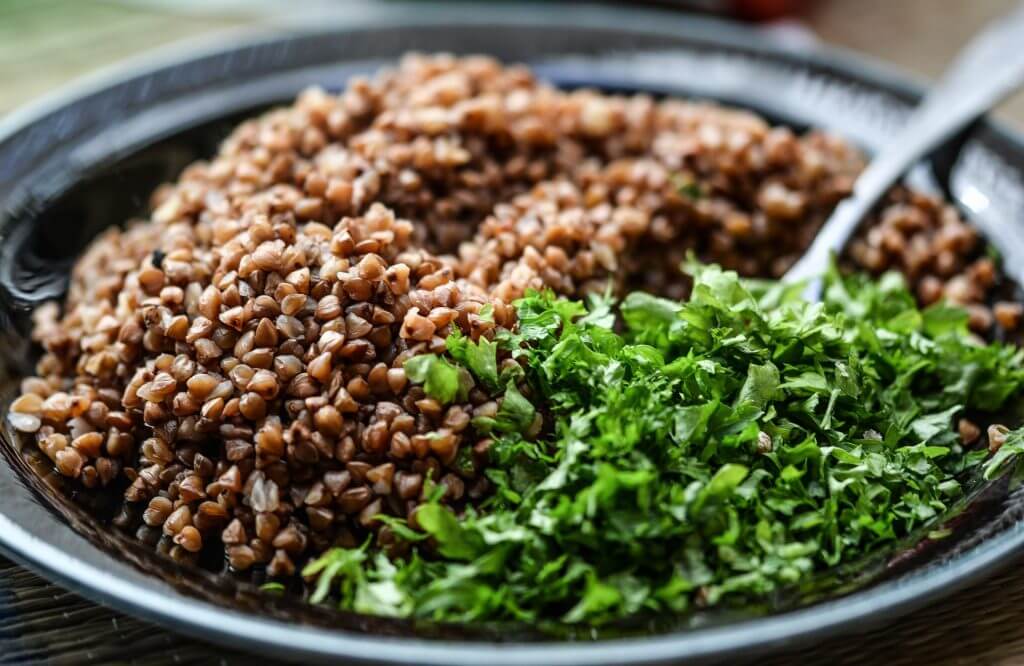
243 630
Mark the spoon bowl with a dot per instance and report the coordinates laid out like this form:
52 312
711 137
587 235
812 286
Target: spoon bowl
988 69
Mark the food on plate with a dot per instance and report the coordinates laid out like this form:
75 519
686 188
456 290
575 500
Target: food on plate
429 345
720 448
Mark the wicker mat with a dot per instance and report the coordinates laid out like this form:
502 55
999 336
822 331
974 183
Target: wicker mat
42 623
983 624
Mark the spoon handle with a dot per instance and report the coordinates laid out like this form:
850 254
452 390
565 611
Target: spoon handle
988 69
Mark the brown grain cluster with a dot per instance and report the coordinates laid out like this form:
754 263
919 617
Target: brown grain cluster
235 362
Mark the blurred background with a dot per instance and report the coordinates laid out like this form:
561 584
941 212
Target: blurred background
44 43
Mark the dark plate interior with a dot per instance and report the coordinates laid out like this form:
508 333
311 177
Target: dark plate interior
73 165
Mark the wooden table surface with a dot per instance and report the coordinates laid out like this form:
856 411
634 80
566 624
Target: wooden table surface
44 43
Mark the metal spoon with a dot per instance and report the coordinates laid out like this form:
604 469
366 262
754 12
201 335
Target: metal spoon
988 69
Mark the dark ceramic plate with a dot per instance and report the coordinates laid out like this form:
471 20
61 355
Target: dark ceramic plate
87 158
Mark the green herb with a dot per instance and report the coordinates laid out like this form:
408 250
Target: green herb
716 449
687 186
272 587
440 379
486 313
480 358
400 527
1011 449
515 414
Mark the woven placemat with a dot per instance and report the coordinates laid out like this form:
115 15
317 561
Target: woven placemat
983 624
42 623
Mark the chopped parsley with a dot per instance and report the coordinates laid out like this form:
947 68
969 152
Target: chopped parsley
721 448
440 379
687 186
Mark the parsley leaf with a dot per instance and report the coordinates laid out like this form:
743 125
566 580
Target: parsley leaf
711 451
440 379
480 358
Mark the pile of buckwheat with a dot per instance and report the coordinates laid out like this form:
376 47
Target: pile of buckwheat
235 362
